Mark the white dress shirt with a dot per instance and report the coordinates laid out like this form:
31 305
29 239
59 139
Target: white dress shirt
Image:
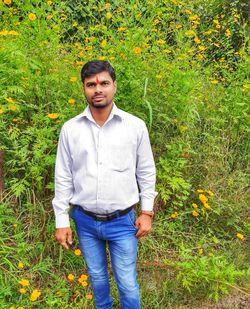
101 167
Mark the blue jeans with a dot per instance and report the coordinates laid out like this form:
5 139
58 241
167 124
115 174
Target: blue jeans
119 234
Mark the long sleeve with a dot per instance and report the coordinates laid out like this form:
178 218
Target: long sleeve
145 171
63 182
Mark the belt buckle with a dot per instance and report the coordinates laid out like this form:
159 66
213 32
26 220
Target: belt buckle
100 217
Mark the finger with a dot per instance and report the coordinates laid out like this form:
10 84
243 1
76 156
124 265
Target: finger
65 245
70 238
139 234
137 224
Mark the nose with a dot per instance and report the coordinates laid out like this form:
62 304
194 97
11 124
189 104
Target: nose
98 88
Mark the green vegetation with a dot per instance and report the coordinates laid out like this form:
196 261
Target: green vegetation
181 67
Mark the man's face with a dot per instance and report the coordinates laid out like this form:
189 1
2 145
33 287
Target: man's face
99 89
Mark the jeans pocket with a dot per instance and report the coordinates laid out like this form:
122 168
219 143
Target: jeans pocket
131 218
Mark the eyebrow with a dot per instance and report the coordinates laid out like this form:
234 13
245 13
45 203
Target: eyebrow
94 83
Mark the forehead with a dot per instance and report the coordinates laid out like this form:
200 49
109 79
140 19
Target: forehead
98 77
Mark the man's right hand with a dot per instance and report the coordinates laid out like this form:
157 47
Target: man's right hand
64 236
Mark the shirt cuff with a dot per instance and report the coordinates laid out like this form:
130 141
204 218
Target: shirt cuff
62 221
147 204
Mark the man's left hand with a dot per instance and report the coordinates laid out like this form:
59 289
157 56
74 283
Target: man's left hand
144 225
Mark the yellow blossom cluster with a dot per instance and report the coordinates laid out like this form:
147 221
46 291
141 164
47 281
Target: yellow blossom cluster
53 115
35 294
9 32
203 196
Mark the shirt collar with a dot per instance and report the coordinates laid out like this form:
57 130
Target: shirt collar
114 112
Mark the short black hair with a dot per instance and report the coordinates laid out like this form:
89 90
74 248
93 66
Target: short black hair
97 66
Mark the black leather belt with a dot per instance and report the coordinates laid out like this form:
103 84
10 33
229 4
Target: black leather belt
105 217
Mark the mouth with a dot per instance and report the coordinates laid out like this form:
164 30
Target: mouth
98 98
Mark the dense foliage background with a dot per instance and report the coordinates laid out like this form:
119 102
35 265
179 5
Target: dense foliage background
181 67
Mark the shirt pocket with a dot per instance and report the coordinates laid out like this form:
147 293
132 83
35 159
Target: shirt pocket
120 157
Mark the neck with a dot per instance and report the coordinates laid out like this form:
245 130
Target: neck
100 115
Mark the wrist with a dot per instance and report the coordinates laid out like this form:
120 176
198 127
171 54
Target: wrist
149 213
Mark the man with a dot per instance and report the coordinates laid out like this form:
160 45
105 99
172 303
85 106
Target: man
103 156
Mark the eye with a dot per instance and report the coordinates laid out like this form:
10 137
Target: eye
106 83
91 85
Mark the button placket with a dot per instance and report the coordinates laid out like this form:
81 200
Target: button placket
99 163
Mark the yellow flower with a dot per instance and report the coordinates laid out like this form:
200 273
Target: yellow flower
20 308
49 2
32 16
14 119
89 296
201 47
200 191
24 282
137 50
84 277
108 15
167 51
71 277
161 41
71 101
20 264
214 81
227 32
190 33
22 291
77 252
101 58
194 205
121 29
34 295
156 22
12 32
84 283
206 205
12 307
210 193
210 254
8 2
194 17
1 111
240 236
53 115
218 26
73 79
12 108
103 43
216 21
14 225
197 40
107 5
195 213
174 215
50 16
188 12
203 198
200 252
9 100
247 86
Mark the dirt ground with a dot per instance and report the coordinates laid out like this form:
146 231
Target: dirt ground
233 301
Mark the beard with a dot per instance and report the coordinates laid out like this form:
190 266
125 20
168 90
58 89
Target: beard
99 105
